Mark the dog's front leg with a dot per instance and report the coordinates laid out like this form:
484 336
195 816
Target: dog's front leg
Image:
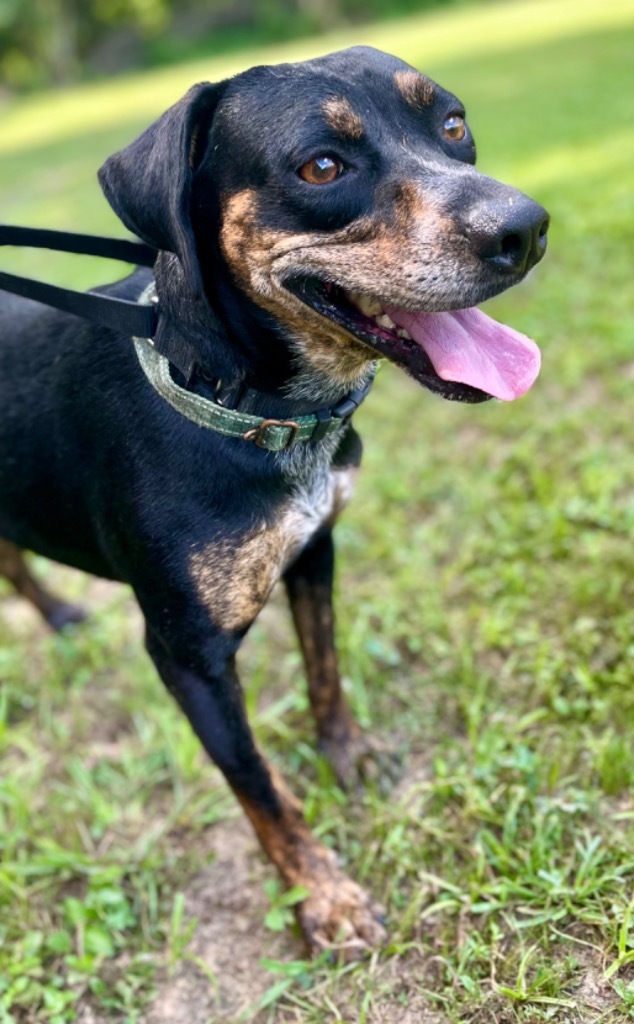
354 755
337 912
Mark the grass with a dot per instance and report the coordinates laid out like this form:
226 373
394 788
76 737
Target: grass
486 618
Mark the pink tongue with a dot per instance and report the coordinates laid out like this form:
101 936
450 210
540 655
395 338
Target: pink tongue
468 347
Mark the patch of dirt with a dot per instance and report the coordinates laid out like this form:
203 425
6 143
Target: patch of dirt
230 938
594 996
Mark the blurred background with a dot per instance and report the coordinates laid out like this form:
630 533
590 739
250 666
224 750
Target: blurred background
54 42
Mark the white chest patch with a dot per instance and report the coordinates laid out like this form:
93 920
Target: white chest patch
313 507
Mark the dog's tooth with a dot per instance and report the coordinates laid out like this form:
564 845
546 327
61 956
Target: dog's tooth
367 305
385 321
404 333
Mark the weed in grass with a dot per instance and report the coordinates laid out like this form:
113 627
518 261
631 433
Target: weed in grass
280 915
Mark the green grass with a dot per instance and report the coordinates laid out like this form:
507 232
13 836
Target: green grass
486 614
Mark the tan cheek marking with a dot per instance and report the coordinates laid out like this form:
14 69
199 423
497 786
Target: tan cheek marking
416 89
251 251
238 227
417 243
393 258
408 208
342 118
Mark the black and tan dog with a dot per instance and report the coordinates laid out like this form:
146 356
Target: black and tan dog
311 218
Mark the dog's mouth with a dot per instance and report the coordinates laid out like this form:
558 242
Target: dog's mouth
461 354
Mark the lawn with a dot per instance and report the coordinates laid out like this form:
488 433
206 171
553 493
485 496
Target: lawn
485 621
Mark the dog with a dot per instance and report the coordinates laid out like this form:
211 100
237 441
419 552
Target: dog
310 220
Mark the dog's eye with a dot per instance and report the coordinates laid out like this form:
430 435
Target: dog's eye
322 170
454 128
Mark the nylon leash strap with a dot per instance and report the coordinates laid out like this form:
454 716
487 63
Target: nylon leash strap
118 314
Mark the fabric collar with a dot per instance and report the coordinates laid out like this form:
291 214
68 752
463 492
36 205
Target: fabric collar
274 435
156 349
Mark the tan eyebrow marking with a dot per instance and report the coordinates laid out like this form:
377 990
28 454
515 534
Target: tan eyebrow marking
342 118
417 90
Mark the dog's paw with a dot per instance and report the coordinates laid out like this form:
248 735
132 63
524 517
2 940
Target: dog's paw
360 760
63 614
341 917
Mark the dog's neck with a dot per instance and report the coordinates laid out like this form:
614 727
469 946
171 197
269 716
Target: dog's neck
255 367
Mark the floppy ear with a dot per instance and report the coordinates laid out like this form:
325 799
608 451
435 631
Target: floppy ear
149 183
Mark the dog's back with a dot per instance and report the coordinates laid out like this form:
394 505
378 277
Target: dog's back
59 386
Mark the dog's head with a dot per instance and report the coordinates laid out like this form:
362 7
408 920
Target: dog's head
339 196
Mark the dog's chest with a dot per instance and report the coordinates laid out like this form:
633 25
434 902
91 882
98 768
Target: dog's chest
233 580
312 507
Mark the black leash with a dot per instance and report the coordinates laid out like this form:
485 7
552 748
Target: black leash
118 314
141 321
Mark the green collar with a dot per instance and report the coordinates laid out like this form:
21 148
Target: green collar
271 434
274 435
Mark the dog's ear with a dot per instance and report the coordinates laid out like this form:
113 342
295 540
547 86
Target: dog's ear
149 183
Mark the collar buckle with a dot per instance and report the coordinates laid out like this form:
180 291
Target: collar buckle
259 437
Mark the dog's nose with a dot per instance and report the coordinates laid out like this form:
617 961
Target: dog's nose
510 237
